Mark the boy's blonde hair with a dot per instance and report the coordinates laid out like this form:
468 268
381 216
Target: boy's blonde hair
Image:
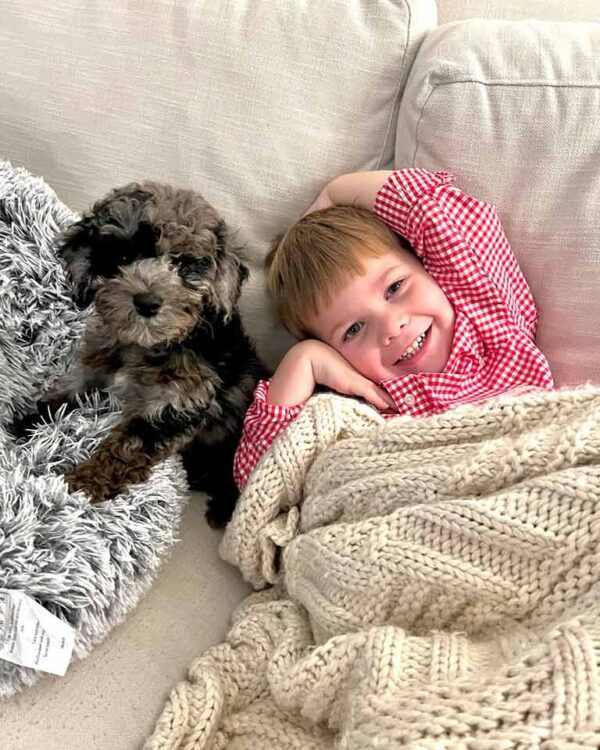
317 255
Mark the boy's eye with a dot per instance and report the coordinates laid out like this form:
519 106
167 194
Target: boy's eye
352 331
393 288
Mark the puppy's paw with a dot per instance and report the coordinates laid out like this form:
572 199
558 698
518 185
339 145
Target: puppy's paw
219 512
214 517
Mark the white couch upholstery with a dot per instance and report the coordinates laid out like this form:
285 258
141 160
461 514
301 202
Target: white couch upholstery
257 103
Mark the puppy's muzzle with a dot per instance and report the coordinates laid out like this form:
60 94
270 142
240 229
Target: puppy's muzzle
147 304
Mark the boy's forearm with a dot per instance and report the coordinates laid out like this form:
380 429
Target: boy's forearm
293 382
357 188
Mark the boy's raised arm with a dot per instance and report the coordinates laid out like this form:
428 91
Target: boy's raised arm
353 189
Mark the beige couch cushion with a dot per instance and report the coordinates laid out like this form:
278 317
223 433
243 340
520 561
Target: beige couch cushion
549 10
513 109
257 103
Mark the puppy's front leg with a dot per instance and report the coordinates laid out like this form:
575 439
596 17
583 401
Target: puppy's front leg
128 455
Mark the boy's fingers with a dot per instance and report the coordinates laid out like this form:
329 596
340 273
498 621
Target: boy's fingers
389 401
384 401
377 396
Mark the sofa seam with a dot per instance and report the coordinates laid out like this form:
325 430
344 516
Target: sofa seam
491 84
395 109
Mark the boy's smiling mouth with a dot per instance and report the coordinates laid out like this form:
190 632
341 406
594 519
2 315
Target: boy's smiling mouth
414 348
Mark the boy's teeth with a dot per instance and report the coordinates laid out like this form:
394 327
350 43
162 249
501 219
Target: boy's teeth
413 348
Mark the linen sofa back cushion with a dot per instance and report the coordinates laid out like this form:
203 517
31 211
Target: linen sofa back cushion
544 10
256 103
513 109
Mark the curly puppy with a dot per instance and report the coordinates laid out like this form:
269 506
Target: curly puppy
165 335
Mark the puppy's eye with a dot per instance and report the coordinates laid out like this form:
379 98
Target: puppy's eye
122 254
198 264
189 266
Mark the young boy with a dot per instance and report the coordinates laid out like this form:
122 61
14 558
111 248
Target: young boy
416 329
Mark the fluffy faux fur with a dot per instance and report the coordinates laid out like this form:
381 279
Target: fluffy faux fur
87 564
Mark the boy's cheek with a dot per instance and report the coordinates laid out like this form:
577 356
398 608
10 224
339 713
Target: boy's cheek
368 363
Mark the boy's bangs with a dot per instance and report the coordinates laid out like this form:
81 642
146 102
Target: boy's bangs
333 269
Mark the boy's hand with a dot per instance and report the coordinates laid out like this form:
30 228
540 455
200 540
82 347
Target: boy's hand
322 202
332 370
313 362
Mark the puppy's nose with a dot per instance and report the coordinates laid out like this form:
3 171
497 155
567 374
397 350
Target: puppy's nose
147 303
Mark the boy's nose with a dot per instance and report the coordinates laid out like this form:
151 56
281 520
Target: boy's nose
392 328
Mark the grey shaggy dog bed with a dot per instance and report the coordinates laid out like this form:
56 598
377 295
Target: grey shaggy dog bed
87 564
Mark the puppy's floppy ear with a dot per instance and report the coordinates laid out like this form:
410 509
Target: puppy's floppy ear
222 236
74 246
243 271
232 272
225 246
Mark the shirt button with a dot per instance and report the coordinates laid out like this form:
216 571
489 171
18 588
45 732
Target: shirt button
409 399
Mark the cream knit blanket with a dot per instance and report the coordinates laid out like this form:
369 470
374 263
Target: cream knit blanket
435 585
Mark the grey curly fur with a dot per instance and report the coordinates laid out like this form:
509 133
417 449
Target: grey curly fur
90 565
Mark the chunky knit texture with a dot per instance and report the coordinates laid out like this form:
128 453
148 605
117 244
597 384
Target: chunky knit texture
435 584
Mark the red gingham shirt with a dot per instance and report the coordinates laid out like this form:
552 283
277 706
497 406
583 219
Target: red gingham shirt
461 244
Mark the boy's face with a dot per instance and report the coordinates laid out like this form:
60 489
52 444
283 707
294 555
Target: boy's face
392 320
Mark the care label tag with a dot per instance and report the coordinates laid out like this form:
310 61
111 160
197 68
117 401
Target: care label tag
31 636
